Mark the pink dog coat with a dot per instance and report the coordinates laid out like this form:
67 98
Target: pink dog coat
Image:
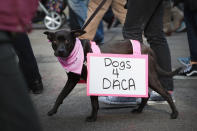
74 62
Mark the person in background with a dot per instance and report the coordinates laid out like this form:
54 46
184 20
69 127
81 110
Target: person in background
78 14
190 16
117 7
27 62
146 16
172 19
17 112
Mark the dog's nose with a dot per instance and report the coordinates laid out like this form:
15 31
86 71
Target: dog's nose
61 52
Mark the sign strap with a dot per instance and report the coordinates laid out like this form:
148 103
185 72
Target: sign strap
94 47
136 47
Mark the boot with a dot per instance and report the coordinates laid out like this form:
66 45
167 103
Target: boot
36 87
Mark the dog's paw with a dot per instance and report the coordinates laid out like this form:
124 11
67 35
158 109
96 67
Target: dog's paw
91 119
51 112
174 115
136 111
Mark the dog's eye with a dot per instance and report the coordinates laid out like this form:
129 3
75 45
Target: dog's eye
67 41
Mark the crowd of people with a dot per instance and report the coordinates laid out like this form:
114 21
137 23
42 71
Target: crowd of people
153 19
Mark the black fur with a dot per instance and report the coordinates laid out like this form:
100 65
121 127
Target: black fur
63 42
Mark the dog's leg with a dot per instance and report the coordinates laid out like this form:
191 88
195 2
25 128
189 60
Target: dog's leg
94 100
84 72
156 86
141 106
73 79
95 107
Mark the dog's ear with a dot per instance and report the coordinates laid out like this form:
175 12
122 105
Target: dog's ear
50 35
77 33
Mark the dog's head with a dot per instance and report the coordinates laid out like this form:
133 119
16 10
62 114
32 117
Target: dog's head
63 41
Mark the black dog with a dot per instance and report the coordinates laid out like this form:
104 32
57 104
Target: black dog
63 43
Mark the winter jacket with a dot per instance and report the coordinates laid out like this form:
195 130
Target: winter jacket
16 15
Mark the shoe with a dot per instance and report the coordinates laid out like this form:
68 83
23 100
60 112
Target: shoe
190 70
118 100
184 60
156 98
182 27
36 87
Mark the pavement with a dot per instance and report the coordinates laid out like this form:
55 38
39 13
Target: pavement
76 107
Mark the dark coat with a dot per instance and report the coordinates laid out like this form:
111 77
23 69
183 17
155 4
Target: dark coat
190 4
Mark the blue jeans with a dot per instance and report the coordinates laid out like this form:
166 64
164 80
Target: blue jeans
147 16
78 15
191 24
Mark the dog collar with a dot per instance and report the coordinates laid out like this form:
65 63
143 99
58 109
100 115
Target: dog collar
74 62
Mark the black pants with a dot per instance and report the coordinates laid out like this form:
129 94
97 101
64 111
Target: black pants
16 109
191 24
27 59
146 16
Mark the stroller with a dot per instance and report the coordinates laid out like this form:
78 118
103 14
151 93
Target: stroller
54 17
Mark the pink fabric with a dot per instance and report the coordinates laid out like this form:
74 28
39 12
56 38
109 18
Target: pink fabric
74 62
136 47
95 48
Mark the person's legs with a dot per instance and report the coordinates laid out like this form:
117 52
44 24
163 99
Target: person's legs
156 39
191 24
78 15
93 25
138 15
75 22
17 112
28 62
119 10
99 36
146 15
109 18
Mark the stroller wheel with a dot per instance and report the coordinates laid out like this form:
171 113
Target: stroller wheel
53 21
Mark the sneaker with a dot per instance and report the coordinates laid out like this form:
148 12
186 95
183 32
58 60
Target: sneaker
118 100
184 60
182 27
190 70
156 98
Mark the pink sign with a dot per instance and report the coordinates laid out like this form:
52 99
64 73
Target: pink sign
117 75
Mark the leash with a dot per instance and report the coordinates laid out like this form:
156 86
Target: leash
93 15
